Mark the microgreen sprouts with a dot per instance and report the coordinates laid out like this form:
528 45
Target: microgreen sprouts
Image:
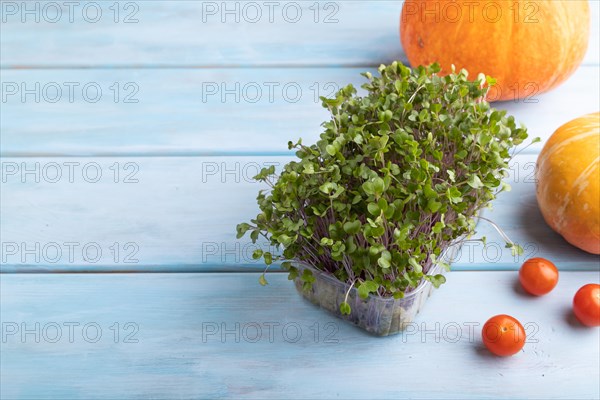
397 176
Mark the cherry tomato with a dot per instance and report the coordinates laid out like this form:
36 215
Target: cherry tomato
538 276
586 304
503 335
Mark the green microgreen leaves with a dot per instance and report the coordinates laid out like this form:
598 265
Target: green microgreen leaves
399 173
345 308
353 227
366 288
436 280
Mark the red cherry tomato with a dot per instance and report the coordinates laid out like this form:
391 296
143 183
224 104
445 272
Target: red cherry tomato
503 335
586 304
538 276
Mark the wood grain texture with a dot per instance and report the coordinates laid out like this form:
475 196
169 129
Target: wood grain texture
181 215
179 112
212 111
177 357
201 33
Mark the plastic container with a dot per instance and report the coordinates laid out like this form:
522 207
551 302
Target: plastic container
377 315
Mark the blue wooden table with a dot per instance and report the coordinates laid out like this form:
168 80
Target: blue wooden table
129 135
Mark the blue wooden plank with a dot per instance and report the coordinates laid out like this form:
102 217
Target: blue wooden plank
175 347
169 112
194 33
180 213
209 111
128 214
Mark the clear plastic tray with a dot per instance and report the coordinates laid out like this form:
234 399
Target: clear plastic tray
377 315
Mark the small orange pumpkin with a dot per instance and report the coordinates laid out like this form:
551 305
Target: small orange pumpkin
529 47
568 182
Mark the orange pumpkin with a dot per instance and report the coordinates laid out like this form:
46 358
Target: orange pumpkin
568 180
528 46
